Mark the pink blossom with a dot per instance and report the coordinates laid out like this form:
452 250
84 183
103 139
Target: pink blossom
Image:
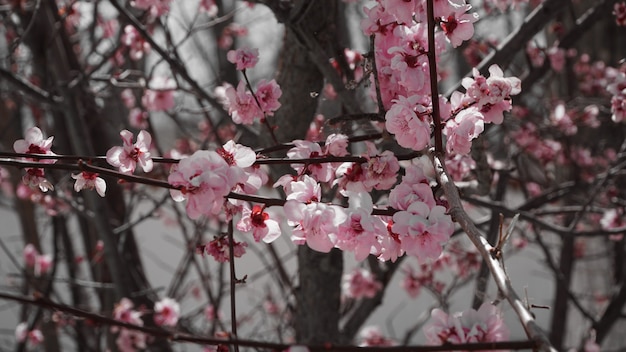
466 126
128 98
409 63
268 94
402 10
218 249
491 90
89 180
336 145
259 222
166 312
232 30
135 42
315 224
556 56
33 143
460 166
244 58
209 7
34 178
138 118
43 264
412 283
360 230
421 231
127 156
160 96
613 219
306 190
371 336
123 311
535 54
237 154
35 336
484 325
382 171
401 119
131 340
377 19
241 105
459 25
203 179
40 263
322 172
30 255
211 314
360 283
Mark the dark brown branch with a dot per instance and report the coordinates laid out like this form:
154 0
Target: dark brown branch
30 89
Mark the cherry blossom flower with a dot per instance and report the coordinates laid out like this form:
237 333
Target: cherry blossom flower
268 94
402 10
466 126
34 337
33 143
423 231
209 7
371 336
244 58
34 178
315 224
491 90
30 254
40 263
336 145
360 230
306 190
401 119
360 283
135 42
535 54
259 222
129 155
322 172
459 25
160 96
218 249
166 312
237 154
232 30
412 283
203 179
241 105
381 171
556 56
89 180
128 340
484 325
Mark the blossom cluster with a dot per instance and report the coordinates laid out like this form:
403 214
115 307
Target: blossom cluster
40 263
166 313
401 48
482 325
34 143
